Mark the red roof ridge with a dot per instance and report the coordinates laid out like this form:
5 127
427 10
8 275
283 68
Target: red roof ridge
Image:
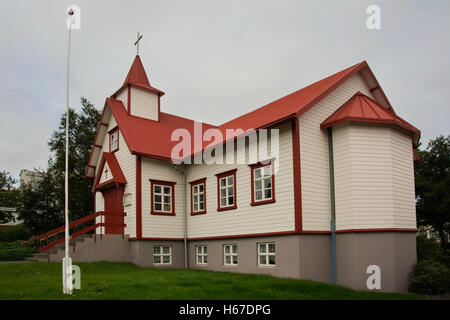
298 102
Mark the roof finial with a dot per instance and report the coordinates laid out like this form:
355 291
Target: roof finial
139 37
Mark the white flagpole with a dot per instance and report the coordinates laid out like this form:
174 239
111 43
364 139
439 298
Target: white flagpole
67 263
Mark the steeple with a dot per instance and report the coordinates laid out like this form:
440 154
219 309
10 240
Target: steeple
137 74
139 98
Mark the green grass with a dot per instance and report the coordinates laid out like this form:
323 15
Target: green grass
104 280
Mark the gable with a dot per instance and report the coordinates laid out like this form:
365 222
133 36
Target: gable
105 174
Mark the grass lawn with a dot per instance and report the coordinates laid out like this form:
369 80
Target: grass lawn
104 280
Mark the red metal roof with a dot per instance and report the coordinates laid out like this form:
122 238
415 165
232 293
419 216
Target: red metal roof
113 165
153 138
360 108
295 103
116 171
137 77
137 74
149 137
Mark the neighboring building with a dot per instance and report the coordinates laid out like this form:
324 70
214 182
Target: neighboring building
242 218
13 211
28 176
430 233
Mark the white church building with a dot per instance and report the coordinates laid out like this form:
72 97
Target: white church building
340 200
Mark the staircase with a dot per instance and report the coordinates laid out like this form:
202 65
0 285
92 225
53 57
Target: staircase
84 246
58 250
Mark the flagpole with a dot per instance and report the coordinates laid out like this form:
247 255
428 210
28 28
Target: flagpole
67 281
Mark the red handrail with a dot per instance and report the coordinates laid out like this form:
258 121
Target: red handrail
74 234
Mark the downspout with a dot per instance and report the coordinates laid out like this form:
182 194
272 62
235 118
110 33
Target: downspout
183 181
333 257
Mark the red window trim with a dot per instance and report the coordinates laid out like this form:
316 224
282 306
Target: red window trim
195 183
163 183
256 166
114 130
223 175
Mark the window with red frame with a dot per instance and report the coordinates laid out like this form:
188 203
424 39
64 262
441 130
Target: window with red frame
263 183
198 196
226 190
114 140
162 197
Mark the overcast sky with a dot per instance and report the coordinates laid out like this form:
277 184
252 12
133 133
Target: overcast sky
215 60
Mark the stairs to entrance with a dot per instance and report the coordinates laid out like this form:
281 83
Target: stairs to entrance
106 247
58 250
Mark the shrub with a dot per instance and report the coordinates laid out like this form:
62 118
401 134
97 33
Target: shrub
14 251
427 249
429 277
14 233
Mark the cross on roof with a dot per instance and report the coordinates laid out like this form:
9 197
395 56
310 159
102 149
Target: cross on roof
139 37
106 173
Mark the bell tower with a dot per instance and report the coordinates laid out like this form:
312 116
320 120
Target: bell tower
138 96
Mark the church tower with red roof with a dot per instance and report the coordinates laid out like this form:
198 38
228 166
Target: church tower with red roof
137 95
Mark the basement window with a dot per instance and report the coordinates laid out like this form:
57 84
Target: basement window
266 254
162 255
230 254
202 254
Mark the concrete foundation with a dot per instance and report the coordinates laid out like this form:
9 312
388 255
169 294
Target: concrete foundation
304 256
393 252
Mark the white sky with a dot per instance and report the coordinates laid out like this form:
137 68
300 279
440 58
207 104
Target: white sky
215 60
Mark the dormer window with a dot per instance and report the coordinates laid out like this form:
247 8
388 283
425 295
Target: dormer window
114 140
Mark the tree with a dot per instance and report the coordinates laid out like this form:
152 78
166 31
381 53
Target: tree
82 129
42 206
9 196
433 186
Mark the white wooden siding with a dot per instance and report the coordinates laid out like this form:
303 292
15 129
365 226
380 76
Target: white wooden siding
106 174
123 96
374 177
246 219
127 163
144 104
315 177
161 226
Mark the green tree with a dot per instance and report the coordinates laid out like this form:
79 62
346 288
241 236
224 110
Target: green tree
9 196
433 186
82 129
42 206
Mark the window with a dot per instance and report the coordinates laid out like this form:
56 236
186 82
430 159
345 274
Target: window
162 255
202 254
230 254
266 254
114 140
226 190
198 196
263 183
162 197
